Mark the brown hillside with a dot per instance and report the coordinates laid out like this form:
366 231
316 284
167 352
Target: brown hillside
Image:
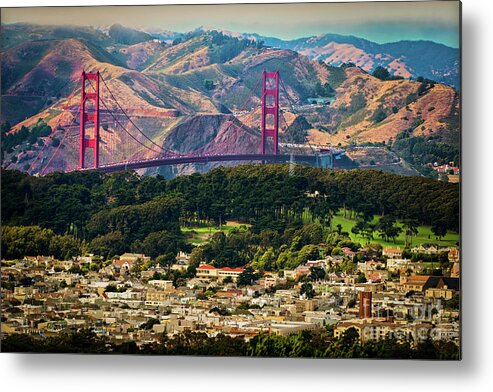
361 96
215 129
181 57
65 60
138 55
334 53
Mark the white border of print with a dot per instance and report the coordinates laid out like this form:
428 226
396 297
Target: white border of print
80 372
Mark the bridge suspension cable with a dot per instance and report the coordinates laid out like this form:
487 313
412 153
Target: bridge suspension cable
54 129
287 96
126 131
61 142
232 121
294 111
131 121
172 153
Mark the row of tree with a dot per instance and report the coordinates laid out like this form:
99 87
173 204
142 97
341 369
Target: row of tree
306 344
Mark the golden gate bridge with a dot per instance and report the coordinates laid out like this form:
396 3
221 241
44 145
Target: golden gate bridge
127 147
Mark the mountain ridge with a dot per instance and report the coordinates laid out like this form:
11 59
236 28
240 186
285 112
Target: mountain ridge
395 50
164 85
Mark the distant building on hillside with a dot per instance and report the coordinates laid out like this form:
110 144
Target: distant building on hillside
182 262
209 272
421 283
133 257
392 253
320 100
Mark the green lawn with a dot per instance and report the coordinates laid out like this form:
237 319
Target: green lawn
425 236
201 234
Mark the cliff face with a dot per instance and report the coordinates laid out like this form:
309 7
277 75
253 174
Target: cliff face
220 132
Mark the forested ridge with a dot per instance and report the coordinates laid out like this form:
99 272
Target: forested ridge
113 213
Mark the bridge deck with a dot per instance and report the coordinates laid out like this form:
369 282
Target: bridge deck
309 159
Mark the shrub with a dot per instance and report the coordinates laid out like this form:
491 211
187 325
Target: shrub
411 98
379 115
209 84
381 73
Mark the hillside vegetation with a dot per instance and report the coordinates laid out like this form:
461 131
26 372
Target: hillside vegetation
287 213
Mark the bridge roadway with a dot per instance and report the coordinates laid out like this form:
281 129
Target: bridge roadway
271 158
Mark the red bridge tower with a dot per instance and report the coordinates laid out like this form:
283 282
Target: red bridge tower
270 109
85 117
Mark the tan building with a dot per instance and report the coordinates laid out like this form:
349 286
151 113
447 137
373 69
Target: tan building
422 283
206 271
455 270
182 262
133 257
414 282
269 279
444 293
157 298
231 272
392 253
162 284
372 329
21 292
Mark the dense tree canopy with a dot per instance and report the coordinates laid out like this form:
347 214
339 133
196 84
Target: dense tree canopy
125 211
20 241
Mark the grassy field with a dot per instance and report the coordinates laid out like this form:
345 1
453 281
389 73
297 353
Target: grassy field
202 234
425 236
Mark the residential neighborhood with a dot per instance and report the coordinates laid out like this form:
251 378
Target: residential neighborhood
129 300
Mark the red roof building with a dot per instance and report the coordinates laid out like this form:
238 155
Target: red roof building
207 271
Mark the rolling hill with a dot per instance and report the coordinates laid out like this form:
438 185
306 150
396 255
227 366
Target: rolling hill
204 76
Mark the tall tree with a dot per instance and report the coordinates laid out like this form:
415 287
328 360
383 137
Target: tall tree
410 230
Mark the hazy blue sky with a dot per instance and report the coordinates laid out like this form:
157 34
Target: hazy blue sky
377 21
